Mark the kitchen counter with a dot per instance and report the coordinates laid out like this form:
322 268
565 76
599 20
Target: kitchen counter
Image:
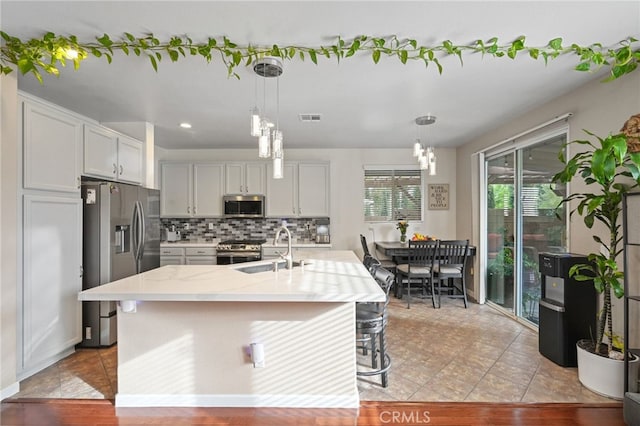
189 244
185 334
297 245
322 279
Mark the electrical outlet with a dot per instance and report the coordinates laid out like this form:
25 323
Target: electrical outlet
186 226
87 333
210 226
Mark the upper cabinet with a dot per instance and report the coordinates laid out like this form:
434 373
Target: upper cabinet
302 192
52 149
191 190
110 155
313 189
245 178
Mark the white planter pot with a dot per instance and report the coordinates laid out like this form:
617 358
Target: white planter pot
605 376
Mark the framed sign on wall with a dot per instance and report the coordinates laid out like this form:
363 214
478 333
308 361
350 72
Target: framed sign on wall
439 196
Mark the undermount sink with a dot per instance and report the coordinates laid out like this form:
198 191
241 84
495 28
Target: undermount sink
265 267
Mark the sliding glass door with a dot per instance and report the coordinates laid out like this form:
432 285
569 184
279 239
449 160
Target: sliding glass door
522 221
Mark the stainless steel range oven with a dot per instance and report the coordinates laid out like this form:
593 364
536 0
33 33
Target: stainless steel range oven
239 251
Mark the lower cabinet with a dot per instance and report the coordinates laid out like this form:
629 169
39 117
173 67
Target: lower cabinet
192 255
52 277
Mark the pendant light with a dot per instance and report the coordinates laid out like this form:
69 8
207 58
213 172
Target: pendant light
269 139
426 157
255 115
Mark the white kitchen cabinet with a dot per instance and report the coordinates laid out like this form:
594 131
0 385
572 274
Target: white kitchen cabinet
176 193
302 192
208 181
52 146
52 277
191 190
281 193
245 178
200 255
313 189
110 155
130 156
192 255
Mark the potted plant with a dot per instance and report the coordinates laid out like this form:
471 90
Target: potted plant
609 168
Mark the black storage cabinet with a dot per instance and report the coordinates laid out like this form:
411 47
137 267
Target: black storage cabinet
567 308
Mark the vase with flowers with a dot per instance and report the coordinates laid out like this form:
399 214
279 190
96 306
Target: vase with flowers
402 226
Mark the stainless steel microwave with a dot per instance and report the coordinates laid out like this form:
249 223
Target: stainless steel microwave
243 205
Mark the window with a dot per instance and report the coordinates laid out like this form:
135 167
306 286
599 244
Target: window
391 195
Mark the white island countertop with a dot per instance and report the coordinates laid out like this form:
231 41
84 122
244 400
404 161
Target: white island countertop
327 276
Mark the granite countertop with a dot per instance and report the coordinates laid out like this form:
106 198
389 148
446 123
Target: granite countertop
327 276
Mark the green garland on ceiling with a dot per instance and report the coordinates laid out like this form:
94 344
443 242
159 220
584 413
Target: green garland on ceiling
47 54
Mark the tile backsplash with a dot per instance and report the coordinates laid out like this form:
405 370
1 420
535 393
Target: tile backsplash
301 229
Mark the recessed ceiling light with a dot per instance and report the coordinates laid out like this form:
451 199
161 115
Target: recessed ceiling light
185 125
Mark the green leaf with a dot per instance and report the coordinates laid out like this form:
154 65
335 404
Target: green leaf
556 43
25 65
154 64
173 55
583 66
125 49
105 41
533 52
312 55
130 37
376 56
403 56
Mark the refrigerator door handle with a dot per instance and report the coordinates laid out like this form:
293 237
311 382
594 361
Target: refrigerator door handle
134 233
143 231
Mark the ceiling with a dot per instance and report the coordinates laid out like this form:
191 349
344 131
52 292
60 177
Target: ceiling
362 105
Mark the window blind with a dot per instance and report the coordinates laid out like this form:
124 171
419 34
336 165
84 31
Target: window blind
391 195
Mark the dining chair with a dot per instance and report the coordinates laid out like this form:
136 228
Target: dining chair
451 265
420 265
386 263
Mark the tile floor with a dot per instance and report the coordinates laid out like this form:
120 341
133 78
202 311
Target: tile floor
447 354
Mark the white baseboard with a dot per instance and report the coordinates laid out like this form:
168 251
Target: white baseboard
9 390
288 401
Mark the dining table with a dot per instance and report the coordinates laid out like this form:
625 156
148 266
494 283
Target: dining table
399 252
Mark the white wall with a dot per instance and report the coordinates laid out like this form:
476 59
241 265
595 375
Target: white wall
599 107
347 188
8 232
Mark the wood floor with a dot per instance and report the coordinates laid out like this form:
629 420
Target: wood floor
57 412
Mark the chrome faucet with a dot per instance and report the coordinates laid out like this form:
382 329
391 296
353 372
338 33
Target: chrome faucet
286 256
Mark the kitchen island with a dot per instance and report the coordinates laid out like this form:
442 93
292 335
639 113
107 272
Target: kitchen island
184 333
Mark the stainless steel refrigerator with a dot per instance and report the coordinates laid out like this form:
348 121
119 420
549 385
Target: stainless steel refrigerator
121 237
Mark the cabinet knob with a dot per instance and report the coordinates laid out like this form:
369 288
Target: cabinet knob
79 181
121 169
194 209
189 209
115 168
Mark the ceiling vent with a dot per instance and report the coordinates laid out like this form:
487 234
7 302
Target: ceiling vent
310 117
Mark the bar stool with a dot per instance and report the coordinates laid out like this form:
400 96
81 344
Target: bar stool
371 323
